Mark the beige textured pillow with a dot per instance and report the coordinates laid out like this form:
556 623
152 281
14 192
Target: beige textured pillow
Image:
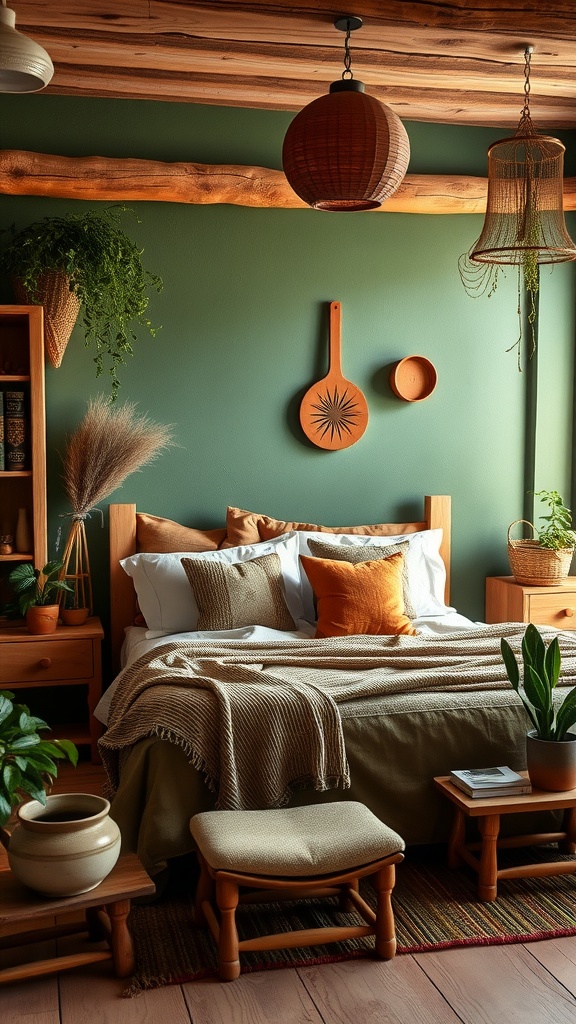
250 527
243 594
154 534
351 553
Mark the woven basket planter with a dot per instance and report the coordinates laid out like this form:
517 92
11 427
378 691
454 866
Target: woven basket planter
61 308
535 566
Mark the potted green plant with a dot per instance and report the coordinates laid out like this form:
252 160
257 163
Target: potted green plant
544 560
61 844
27 762
35 590
71 613
550 747
83 260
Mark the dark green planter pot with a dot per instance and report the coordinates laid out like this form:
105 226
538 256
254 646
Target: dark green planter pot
551 763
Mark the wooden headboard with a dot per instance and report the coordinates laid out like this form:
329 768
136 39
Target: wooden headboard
123 542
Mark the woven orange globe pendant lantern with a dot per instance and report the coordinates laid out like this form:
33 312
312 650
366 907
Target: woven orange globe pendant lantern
346 150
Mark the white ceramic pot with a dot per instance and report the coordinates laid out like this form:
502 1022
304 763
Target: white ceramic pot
65 848
551 763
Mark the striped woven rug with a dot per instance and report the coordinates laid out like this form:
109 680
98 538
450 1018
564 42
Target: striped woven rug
434 908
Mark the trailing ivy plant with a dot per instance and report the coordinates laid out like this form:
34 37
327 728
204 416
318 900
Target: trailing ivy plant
104 270
27 762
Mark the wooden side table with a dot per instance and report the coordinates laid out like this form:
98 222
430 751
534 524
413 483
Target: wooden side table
509 601
106 908
488 811
69 657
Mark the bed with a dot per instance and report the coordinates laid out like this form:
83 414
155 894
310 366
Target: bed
362 716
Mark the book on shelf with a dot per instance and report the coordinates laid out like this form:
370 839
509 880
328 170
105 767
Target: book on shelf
15 430
2 444
499 781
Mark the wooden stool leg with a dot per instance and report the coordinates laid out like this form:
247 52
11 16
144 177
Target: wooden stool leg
489 826
228 956
345 904
204 891
120 938
385 931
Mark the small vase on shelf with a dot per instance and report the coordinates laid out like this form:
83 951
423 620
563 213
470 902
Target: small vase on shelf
23 534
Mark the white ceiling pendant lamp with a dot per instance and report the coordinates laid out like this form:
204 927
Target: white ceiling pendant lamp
24 65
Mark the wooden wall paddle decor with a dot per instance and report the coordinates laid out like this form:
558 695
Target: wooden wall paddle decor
333 412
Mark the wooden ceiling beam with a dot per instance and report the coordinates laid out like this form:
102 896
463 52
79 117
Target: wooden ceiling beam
113 179
444 60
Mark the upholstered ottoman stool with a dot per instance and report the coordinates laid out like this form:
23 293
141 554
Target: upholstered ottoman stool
294 853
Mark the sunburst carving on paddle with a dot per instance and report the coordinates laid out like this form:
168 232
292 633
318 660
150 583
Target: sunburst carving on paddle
335 413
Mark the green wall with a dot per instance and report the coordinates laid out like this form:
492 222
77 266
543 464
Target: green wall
244 333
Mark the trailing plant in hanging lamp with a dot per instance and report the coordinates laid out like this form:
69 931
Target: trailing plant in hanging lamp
346 150
524 224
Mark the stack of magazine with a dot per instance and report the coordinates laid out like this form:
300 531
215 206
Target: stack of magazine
483 782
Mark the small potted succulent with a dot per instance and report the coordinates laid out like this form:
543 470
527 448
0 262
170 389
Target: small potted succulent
35 590
550 746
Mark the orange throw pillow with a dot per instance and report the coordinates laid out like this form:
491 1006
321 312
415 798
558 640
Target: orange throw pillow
365 597
155 534
250 527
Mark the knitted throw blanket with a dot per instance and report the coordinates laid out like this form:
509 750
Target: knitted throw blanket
259 720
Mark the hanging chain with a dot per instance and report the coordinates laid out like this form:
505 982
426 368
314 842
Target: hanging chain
347 73
525 126
527 58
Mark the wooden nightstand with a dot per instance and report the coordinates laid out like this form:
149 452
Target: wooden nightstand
508 601
69 657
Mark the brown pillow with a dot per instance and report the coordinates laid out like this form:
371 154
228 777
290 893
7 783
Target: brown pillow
250 527
244 594
154 534
367 553
358 599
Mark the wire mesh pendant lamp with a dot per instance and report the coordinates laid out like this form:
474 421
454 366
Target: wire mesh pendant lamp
346 150
524 223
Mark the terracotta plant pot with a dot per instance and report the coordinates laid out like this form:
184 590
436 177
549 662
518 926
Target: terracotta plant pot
74 616
42 618
551 763
66 847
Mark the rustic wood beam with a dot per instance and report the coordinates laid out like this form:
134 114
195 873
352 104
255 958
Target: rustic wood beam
116 179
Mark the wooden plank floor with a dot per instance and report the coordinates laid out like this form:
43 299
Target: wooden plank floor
524 984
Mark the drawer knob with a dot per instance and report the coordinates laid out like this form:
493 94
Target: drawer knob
45 662
568 612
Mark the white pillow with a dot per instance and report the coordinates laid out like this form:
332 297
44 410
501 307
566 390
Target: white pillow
425 569
167 600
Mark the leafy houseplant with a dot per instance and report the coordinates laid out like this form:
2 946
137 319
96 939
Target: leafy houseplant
541 671
558 533
88 256
36 586
36 590
27 762
544 560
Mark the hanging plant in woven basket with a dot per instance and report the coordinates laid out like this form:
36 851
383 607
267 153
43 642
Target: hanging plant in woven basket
61 308
83 260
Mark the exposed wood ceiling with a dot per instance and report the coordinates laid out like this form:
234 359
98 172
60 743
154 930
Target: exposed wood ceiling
457 61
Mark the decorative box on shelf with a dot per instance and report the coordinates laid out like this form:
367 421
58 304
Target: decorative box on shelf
509 601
